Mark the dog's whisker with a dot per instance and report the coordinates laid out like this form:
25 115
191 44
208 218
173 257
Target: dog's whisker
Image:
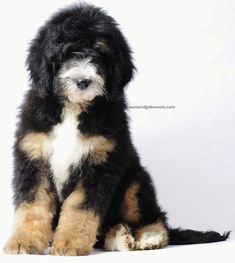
104 91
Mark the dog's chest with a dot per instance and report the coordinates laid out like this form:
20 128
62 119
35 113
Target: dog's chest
66 147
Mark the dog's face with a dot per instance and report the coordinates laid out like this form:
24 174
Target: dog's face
79 79
79 55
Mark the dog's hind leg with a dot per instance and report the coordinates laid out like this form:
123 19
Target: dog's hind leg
121 238
152 232
152 236
141 211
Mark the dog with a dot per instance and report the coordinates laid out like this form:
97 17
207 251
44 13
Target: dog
78 181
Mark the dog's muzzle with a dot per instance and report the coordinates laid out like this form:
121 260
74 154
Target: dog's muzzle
83 84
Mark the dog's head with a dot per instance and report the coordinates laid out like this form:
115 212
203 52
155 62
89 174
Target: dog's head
80 54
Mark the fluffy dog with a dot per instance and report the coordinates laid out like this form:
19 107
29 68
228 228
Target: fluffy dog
78 181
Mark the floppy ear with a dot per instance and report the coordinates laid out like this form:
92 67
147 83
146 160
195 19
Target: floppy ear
41 63
123 70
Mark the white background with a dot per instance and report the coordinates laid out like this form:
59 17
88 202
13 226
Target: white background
185 54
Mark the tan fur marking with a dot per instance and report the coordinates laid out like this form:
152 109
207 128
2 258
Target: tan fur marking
35 146
100 147
32 144
32 229
130 208
77 228
154 229
112 232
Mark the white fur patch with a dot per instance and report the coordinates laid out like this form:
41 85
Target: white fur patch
65 148
150 240
122 240
73 71
78 69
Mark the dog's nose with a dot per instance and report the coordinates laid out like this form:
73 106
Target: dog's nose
83 84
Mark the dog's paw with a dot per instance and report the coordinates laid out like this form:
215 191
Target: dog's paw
26 243
119 239
62 246
151 237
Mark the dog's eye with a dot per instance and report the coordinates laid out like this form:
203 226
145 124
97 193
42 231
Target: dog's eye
66 48
102 45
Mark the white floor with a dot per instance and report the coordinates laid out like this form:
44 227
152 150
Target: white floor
216 252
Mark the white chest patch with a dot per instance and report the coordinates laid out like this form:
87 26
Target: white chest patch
65 148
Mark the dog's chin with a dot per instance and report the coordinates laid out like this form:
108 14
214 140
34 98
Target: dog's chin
81 98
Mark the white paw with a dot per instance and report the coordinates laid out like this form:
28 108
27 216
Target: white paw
119 239
151 240
151 237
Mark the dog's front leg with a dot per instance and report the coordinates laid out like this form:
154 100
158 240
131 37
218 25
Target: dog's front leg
82 213
77 227
33 223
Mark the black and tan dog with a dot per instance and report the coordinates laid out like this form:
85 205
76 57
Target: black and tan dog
78 181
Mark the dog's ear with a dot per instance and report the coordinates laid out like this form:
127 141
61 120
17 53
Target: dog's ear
122 70
42 62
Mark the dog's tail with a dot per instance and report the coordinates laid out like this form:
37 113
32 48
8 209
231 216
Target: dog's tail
179 236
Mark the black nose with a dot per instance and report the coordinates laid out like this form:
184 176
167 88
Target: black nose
83 84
